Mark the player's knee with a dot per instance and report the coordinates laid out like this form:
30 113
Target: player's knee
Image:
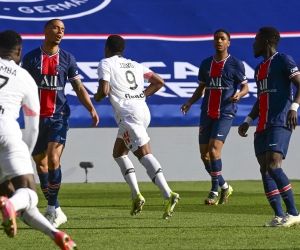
33 198
53 161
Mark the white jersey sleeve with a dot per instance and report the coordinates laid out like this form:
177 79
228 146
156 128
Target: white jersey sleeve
31 110
147 73
104 70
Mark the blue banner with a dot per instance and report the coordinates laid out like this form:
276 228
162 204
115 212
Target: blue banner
170 37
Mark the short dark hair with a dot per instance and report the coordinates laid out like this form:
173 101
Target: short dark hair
224 31
271 34
51 22
115 43
10 39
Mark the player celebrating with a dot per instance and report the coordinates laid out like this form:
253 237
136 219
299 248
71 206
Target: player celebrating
16 173
50 66
123 81
277 118
219 76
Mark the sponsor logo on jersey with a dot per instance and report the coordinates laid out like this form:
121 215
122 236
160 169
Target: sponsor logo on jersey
44 10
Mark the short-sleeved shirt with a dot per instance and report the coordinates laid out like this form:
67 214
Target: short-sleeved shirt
221 79
17 89
50 73
274 90
126 80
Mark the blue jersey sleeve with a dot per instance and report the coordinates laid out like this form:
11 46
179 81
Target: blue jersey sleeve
290 67
73 69
240 75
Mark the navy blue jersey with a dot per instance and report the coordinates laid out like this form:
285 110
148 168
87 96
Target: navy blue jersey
221 79
274 90
50 73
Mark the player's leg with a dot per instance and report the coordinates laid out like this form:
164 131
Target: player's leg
219 131
57 134
270 187
25 201
154 171
120 154
39 155
205 130
278 141
14 161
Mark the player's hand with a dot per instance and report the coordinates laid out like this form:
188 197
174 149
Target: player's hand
243 128
235 98
292 120
185 108
97 97
95 118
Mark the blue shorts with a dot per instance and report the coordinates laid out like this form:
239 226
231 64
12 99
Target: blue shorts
213 128
51 130
272 139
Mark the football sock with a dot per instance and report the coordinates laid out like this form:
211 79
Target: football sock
208 167
272 194
216 167
54 181
225 185
44 186
36 220
154 171
24 198
128 173
44 183
285 189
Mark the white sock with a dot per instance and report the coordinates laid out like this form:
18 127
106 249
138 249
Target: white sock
58 210
36 220
216 193
154 171
24 198
128 172
225 186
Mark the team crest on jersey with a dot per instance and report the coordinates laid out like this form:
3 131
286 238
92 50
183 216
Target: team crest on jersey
200 130
221 72
44 10
57 68
268 71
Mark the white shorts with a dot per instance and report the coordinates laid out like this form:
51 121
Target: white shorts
15 159
133 128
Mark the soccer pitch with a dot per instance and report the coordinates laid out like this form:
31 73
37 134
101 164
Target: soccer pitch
98 218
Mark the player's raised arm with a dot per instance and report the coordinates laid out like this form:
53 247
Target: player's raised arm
85 99
292 116
199 92
156 82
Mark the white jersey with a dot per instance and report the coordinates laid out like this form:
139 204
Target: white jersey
17 88
126 80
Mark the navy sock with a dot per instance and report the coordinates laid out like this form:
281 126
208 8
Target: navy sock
285 189
44 184
272 194
54 182
216 166
208 167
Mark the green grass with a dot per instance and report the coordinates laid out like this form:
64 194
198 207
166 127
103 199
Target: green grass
98 218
